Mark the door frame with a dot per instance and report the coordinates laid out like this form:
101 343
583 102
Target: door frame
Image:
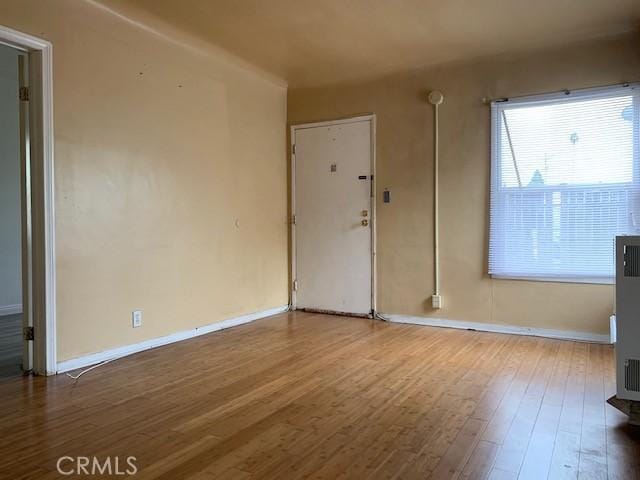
371 118
41 146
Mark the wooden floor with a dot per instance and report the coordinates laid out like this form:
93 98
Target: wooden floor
10 345
305 395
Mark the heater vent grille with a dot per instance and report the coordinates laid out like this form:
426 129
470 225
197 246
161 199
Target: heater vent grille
632 260
632 375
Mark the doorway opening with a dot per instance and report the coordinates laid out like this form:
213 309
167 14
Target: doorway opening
333 216
27 260
13 67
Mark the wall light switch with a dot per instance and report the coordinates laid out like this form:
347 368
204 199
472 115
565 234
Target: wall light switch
136 318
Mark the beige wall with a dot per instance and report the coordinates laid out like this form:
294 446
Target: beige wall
404 165
170 179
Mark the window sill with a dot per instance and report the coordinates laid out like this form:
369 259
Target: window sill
590 280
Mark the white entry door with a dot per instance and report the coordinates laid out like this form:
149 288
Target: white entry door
333 177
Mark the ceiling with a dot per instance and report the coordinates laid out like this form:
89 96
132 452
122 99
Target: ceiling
313 42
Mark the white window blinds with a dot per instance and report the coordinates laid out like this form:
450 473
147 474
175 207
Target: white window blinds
565 182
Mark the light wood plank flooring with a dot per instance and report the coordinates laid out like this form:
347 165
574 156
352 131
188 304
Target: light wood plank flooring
303 395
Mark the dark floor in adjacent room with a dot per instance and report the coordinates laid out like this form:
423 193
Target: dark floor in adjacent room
10 345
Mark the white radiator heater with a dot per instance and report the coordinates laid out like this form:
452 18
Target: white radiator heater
628 318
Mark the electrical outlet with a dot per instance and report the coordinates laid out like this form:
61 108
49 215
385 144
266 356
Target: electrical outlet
436 301
136 318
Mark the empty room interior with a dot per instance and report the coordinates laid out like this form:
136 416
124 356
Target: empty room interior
320 239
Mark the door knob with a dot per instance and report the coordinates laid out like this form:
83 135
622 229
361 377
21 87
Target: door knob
365 213
365 222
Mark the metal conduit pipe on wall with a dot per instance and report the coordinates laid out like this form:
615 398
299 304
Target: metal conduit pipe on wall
436 98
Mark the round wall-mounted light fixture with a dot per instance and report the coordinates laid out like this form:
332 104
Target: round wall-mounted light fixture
435 97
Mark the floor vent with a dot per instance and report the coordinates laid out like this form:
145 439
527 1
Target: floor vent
632 375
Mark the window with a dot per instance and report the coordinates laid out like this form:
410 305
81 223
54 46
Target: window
565 182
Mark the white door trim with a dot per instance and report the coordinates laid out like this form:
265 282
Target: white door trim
371 118
42 148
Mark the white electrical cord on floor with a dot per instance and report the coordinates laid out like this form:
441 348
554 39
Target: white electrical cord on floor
75 377
380 317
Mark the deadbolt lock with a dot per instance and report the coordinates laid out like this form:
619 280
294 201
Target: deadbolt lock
365 222
365 213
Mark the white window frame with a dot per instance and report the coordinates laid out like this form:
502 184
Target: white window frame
539 99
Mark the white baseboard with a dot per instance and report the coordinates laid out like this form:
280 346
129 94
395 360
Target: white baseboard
10 309
490 327
119 352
